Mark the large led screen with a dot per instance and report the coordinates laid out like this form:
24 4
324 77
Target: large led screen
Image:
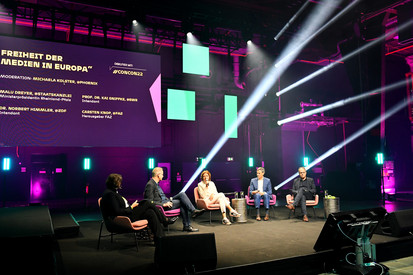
56 94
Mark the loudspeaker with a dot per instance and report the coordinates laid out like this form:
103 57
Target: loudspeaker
193 252
397 224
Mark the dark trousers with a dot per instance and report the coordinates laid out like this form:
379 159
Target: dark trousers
148 211
182 201
301 197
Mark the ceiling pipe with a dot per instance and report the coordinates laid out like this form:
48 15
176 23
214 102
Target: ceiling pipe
236 72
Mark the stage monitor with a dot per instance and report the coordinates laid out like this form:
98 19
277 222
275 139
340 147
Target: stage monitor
60 94
343 228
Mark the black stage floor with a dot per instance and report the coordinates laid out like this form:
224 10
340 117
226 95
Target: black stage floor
280 243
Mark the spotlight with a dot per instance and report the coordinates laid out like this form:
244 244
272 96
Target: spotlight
86 164
201 162
192 39
250 162
380 158
6 164
305 161
151 163
249 42
135 23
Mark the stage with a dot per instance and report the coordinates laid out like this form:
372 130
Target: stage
281 244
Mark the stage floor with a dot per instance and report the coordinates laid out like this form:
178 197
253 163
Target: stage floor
237 245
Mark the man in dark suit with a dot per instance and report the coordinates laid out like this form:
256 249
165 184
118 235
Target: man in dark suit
260 188
154 193
303 189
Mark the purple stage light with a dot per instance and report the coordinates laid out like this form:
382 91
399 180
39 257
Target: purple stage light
389 180
36 190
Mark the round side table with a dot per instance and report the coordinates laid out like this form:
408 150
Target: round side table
331 206
241 207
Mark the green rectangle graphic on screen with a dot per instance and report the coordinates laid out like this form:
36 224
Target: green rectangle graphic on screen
195 59
231 110
181 104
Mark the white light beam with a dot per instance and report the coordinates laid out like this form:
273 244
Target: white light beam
321 13
357 134
343 102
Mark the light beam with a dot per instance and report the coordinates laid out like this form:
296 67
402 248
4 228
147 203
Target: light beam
321 13
354 136
292 19
343 102
344 58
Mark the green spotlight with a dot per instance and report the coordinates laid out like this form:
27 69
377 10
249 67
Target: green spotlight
380 158
6 164
250 162
201 162
86 164
151 163
305 161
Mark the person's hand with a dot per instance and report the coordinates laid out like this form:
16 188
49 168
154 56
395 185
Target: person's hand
135 204
262 193
211 197
168 204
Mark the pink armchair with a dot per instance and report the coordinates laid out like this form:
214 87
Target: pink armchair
120 225
250 202
309 203
201 204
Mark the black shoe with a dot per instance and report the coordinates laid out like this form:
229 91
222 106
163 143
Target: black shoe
172 219
197 212
190 229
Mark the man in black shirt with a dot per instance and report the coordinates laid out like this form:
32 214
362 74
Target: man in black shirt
303 189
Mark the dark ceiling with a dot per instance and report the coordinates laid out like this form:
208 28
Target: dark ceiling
235 21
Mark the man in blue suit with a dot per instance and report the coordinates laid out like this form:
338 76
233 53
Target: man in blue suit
260 188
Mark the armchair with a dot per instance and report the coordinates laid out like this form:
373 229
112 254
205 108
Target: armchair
120 225
250 202
309 203
169 213
201 204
